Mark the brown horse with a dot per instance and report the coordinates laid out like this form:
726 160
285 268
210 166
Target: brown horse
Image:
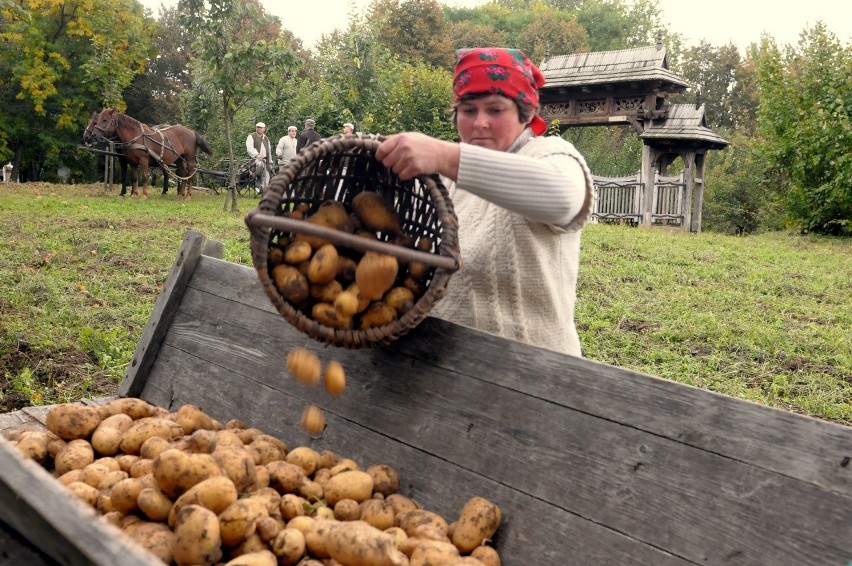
92 137
163 145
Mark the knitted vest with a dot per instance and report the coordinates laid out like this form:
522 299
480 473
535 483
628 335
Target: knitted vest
518 278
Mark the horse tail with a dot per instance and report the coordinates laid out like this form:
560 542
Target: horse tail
199 141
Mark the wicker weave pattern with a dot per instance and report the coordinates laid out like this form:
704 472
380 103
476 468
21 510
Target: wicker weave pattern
338 168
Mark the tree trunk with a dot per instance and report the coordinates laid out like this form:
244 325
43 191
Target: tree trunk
231 194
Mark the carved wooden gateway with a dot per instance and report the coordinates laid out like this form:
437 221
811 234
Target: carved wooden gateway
632 87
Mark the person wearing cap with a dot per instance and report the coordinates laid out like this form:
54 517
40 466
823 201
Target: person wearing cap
286 148
348 128
521 197
257 146
308 136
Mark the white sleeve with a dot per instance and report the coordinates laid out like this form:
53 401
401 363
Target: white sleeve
250 147
550 189
279 149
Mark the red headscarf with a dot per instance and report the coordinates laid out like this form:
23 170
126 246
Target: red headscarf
496 70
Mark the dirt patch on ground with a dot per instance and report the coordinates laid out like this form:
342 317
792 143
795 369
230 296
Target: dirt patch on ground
27 370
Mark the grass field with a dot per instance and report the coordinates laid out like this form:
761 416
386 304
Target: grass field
766 318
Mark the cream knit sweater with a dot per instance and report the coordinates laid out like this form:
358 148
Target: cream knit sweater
520 250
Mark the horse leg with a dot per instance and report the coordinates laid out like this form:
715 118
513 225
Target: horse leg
143 167
165 180
134 186
122 163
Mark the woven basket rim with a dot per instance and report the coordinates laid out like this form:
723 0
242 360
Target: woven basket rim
352 338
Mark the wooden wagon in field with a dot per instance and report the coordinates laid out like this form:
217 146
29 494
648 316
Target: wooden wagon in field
590 464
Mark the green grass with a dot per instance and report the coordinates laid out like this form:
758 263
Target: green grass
765 318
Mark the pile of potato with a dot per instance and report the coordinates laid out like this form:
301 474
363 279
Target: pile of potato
343 288
194 491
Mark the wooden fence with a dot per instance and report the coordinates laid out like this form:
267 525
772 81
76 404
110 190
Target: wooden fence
623 200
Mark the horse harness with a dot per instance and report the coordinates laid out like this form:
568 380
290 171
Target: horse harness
163 141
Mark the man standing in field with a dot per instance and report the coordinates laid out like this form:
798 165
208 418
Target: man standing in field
257 146
286 148
308 136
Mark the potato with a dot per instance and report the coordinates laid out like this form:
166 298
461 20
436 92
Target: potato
431 552
313 420
346 269
344 465
347 303
323 267
192 418
334 379
132 407
111 478
315 537
410 520
144 429
312 491
330 214
202 441
259 558
375 213
355 484
304 366
70 476
238 465
152 447
125 494
347 510
106 439
270 498
385 479
176 472
401 299
126 461
466 561
304 457
285 477
291 284
197 538
72 421
327 315
216 493
326 293
156 538
75 455
328 459
93 474
154 504
288 546
296 253
478 521
376 274
267 528
487 555
378 513
33 446
268 448
377 315
84 492
356 543
239 520
141 467
292 505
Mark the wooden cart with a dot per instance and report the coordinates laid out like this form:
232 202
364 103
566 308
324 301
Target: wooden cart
590 464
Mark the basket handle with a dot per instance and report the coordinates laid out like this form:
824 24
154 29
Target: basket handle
260 220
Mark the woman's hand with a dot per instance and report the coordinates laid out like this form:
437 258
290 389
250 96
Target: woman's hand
412 154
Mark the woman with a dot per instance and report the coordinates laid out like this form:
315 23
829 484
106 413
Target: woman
521 200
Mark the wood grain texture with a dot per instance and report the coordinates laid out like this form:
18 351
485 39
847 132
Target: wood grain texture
697 476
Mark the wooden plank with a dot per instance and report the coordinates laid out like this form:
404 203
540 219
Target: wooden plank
149 342
38 507
814 451
16 550
700 504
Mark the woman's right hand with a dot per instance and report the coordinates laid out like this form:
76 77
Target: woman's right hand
411 154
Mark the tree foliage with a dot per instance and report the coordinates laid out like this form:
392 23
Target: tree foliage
805 128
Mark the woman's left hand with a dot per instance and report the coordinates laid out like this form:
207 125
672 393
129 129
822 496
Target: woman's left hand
412 154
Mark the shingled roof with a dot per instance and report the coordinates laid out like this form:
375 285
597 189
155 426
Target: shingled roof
684 122
602 67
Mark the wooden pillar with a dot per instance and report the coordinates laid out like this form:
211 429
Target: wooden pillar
688 176
698 199
649 159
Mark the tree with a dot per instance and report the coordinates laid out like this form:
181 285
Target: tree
713 71
60 58
237 50
805 128
414 30
550 32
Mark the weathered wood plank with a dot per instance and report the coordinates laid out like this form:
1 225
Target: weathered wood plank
38 507
692 502
804 448
18 551
194 243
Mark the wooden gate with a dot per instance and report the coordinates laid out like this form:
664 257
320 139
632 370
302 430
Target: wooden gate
618 199
669 200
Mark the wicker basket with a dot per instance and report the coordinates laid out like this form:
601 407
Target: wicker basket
338 168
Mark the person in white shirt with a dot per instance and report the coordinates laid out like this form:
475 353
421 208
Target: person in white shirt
521 197
257 146
348 128
286 148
